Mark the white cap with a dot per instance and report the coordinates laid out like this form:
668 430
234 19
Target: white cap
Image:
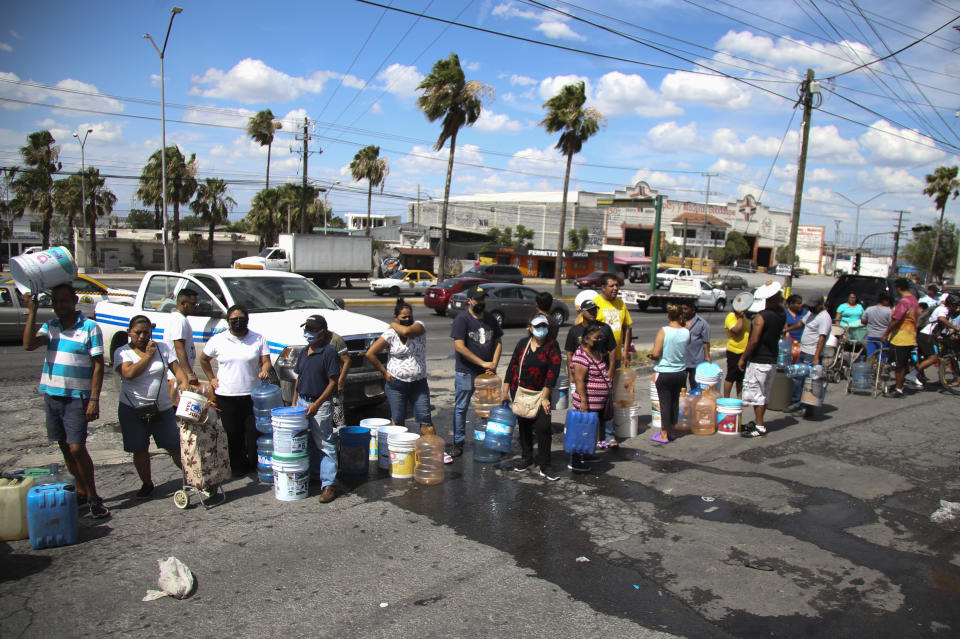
583 296
768 289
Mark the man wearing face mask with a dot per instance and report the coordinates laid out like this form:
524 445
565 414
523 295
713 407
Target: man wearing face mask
476 340
317 371
343 354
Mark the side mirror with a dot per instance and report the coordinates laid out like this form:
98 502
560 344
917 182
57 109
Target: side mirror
339 302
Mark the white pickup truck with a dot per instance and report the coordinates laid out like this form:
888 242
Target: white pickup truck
278 304
681 289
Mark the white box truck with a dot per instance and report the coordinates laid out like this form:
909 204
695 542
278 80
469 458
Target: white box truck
326 259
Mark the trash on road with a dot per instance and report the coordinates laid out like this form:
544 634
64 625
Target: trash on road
384 604
583 560
175 580
707 499
948 511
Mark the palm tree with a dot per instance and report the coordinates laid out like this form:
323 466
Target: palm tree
148 192
940 185
448 95
181 185
100 204
368 165
565 113
290 197
263 214
33 187
67 194
261 128
213 205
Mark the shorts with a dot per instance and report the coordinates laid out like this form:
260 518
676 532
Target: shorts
925 346
903 356
757 383
137 433
66 419
734 374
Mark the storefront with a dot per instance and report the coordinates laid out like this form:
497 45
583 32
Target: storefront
542 263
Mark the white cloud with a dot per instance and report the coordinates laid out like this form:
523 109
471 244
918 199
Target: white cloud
658 179
828 145
542 161
821 174
76 94
252 81
892 180
473 65
521 80
552 25
496 184
711 90
401 80
6 47
729 167
197 114
558 31
787 172
726 142
827 58
549 87
669 137
891 146
621 93
424 160
491 122
14 34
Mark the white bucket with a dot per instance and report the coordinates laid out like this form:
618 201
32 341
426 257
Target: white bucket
290 432
43 270
191 406
374 423
383 444
626 421
728 417
291 477
560 397
655 420
401 454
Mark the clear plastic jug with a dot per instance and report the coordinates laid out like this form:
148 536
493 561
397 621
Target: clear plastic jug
685 411
785 352
705 411
428 457
624 391
486 393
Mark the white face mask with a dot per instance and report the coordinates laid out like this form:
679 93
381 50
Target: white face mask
540 332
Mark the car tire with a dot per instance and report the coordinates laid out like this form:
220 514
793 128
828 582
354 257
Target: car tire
642 306
498 318
559 317
718 307
633 280
440 311
394 291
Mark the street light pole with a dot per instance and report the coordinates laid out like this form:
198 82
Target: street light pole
163 133
325 196
856 228
83 189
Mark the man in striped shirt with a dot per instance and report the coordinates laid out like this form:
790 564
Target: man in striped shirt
71 381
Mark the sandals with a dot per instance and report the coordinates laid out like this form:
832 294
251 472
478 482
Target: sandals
660 437
447 459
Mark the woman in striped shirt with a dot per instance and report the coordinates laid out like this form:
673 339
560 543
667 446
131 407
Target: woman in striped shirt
592 384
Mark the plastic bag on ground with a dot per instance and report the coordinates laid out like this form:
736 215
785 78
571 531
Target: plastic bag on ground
175 580
948 511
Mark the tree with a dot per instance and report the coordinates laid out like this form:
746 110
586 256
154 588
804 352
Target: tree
783 254
368 165
33 187
263 214
100 204
181 185
261 129
212 205
565 113
669 249
577 239
67 194
6 202
140 219
448 95
919 250
941 184
734 248
290 196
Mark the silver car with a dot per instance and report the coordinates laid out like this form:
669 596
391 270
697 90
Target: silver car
13 313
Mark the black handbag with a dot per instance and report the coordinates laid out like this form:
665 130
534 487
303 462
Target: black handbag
146 412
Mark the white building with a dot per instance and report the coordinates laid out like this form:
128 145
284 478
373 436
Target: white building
358 221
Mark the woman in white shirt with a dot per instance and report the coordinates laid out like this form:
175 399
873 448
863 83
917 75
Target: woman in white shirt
406 369
243 360
145 407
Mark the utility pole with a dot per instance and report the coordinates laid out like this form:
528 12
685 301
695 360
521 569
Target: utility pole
896 244
836 244
303 192
807 91
706 209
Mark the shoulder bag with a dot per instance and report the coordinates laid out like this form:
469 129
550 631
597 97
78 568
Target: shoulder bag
526 402
146 412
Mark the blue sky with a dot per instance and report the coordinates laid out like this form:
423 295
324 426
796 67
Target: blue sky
353 69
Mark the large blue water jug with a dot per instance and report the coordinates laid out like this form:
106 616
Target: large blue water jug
785 352
52 515
481 453
862 376
265 397
265 459
580 432
500 427
797 370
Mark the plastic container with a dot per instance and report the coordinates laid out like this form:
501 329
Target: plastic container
708 374
795 352
428 457
290 431
705 412
43 270
814 390
191 406
265 459
291 477
685 409
383 444
785 352
560 395
729 416
862 376
500 428
656 420
797 370
374 423
265 398
624 387
781 393
52 515
13 508
486 393
626 421
580 432
49 474
401 455
355 450
481 453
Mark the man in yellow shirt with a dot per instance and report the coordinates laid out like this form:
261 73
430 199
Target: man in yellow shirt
613 311
738 334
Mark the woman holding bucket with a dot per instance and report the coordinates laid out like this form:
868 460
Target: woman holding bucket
145 408
591 382
669 350
243 358
535 366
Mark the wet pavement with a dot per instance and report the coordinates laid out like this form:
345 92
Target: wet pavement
820 529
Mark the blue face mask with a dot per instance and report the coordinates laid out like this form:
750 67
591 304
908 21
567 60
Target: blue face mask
310 337
540 332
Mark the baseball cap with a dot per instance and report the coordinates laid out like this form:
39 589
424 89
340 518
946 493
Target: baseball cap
315 323
589 306
477 293
540 320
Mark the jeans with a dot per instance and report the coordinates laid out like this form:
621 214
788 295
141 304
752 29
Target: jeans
463 389
322 443
805 358
400 394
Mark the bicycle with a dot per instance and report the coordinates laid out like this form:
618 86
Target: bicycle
949 353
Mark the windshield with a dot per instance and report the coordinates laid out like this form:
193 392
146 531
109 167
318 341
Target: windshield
399 275
271 294
448 283
265 252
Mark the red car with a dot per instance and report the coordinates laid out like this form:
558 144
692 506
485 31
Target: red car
593 280
437 297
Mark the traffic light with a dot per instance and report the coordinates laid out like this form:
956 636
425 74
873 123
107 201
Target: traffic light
856 263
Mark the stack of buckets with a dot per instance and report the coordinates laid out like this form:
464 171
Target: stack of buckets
386 442
626 413
291 461
373 424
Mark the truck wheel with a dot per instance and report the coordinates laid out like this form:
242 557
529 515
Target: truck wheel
719 305
633 279
642 306
333 281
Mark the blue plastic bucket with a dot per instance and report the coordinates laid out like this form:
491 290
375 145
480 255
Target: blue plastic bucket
354 450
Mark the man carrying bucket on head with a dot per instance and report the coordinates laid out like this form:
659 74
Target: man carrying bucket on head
317 371
71 381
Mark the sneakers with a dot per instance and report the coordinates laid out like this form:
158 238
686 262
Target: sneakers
82 501
97 509
328 494
145 492
793 408
753 429
457 450
578 467
522 466
915 382
548 474
893 391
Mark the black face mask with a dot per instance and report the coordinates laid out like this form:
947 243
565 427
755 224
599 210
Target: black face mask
238 324
405 322
479 307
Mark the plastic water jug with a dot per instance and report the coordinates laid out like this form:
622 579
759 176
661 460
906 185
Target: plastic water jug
624 392
428 457
481 453
862 374
265 397
265 459
797 370
500 427
785 353
580 432
817 372
486 393
705 411
13 508
52 516
685 411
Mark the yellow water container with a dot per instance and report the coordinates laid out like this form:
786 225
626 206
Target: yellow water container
13 508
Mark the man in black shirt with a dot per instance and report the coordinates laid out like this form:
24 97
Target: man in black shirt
607 347
759 361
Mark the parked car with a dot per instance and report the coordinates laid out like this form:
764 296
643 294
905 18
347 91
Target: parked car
593 280
403 283
13 313
729 282
510 304
90 291
745 266
868 288
438 297
639 273
496 273
665 277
